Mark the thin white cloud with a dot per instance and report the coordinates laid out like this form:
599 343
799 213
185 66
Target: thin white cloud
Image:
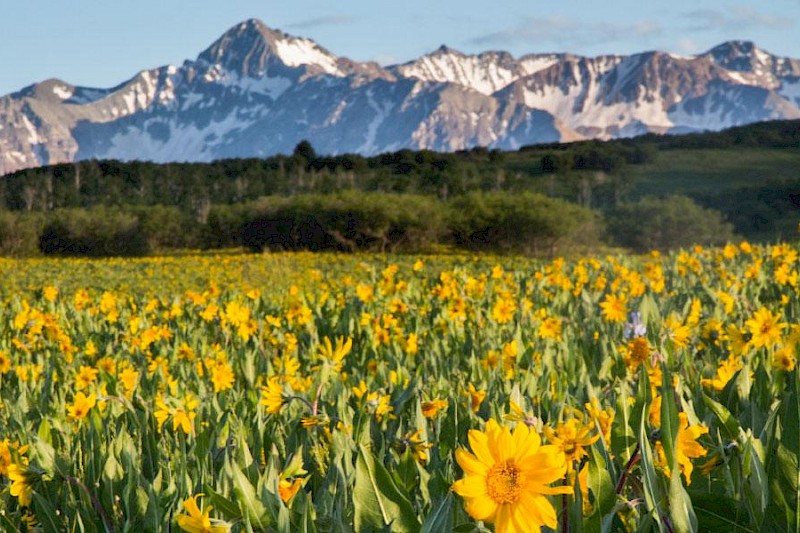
738 17
384 59
329 20
687 45
567 33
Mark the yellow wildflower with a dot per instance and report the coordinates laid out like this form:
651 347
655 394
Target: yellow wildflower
197 521
507 477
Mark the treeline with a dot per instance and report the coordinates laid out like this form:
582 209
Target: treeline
766 211
591 173
348 222
193 187
772 134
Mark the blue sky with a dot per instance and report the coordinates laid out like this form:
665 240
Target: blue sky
104 42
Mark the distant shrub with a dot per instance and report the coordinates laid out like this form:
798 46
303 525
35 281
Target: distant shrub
348 221
526 222
167 227
19 233
98 231
664 223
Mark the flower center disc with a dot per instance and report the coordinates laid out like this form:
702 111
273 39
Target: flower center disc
504 482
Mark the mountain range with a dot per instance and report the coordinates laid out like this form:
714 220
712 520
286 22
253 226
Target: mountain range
257 91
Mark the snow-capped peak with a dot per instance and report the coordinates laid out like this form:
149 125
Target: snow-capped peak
740 56
486 73
258 91
249 47
296 52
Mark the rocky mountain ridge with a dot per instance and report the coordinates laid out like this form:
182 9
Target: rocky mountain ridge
257 91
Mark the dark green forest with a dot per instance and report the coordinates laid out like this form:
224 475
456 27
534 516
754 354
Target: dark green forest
640 193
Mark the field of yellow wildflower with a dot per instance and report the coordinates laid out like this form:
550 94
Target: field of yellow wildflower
300 392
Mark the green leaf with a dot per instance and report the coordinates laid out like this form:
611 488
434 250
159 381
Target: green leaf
112 470
46 513
730 425
648 308
307 524
406 474
44 432
719 514
757 490
669 418
652 491
377 500
604 491
249 504
7 525
442 518
228 509
45 456
680 505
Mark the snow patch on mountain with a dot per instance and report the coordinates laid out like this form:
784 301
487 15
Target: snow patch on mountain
185 142
298 52
476 72
63 92
381 112
533 63
791 90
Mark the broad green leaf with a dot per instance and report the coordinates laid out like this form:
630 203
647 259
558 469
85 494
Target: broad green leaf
441 519
45 456
680 505
249 504
650 481
729 425
228 508
603 489
719 514
46 513
669 418
376 499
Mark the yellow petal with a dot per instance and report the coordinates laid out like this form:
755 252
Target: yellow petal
470 464
479 444
482 509
471 487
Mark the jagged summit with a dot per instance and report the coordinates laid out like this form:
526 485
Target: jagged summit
741 56
258 91
250 47
446 50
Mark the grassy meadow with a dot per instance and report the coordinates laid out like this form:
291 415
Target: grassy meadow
325 392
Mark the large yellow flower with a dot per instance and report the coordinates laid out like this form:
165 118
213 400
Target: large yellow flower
81 406
571 437
603 417
725 372
197 521
507 477
765 328
272 395
20 483
503 310
222 376
5 362
334 355
686 447
636 353
614 309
